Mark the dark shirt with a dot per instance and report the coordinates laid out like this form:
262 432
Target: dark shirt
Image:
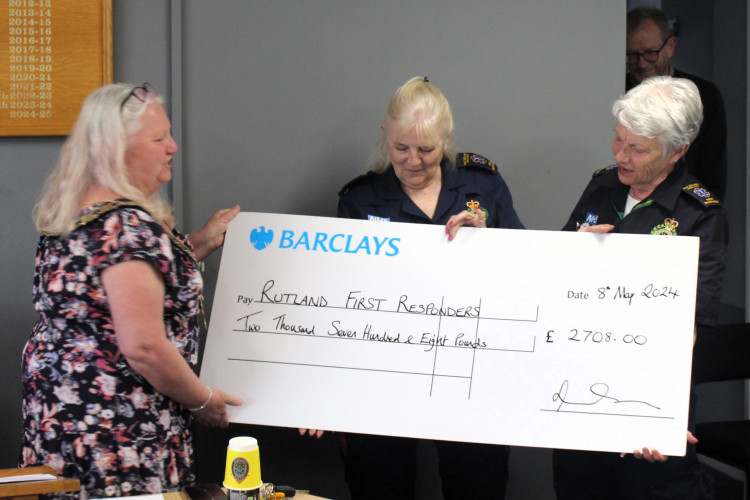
707 156
474 178
383 466
680 205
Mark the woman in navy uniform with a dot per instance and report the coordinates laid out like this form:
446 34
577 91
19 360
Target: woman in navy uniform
418 177
649 191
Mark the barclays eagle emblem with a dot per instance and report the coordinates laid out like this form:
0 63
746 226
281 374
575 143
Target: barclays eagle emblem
260 237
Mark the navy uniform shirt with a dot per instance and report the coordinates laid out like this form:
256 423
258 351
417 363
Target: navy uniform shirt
680 205
474 179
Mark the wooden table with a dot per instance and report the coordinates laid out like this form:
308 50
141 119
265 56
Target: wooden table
30 489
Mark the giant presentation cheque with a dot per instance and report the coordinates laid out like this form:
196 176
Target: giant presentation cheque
531 338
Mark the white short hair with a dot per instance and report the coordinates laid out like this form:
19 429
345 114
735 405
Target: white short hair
664 107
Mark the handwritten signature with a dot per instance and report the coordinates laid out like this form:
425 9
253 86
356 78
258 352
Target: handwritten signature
599 389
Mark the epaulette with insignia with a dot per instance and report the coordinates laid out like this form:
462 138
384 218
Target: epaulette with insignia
700 193
474 160
355 181
603 170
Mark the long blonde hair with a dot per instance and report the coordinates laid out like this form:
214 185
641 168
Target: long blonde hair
419 105
94 154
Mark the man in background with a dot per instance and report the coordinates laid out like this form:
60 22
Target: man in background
650 44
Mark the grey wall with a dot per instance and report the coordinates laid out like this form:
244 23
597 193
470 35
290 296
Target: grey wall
296 91
291 97
283 105
277 104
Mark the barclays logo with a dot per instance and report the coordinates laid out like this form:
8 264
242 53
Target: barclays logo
261 238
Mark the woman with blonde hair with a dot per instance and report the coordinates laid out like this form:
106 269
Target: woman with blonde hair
417 176
109 371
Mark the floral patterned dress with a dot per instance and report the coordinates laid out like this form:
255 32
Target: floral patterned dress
85 411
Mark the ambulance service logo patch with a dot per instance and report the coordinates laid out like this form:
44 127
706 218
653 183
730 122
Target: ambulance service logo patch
669 228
